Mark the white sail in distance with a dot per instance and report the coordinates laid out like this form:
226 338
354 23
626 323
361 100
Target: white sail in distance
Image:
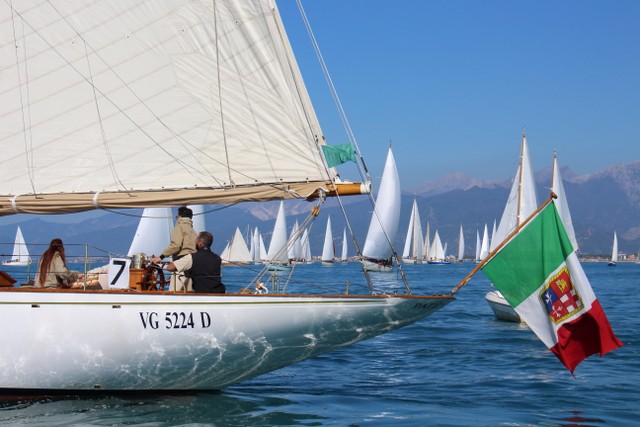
20 253
461 245
345 247
236 250
562 205
328 249
278 247
386 216
522 200
153 233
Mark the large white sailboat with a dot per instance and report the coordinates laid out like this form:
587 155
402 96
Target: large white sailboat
377 252
20 254
157 103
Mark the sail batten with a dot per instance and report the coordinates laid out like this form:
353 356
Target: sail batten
178 95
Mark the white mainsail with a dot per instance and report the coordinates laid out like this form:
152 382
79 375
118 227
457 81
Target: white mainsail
153 233
152 102
478 247
522 200
20 254
328 248
386 214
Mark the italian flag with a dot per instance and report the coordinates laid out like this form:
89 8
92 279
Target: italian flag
540 276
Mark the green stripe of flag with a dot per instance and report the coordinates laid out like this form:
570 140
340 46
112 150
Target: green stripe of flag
524 264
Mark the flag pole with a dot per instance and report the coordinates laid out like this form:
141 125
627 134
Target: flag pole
502 244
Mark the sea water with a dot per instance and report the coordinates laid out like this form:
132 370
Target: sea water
459 367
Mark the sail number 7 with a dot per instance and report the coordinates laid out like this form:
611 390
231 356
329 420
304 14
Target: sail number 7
175 320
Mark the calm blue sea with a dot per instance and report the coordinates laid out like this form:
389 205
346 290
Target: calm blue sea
460 367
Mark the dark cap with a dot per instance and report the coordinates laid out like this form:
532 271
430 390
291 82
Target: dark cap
185 212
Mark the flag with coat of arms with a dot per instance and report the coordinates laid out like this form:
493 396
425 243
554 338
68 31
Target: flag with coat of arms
539 274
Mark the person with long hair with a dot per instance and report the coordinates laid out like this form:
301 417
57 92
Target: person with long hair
52 268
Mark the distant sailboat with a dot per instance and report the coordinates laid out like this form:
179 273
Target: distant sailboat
461 245
328 249
614 251
437 251
478 247
521 203
295 247
426 242
343 256
383 227
278 255
522 200
484 245
20 255
306 248
414 242
236 251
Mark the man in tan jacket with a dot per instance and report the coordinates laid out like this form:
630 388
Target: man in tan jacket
183 242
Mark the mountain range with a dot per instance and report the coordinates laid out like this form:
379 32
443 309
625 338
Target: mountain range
600 204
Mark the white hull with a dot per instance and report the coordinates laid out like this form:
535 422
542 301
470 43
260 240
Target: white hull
87 341
501 308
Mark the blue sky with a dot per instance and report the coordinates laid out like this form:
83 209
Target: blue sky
452 83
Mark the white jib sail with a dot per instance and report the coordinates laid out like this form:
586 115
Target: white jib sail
386 216
278 247
153 233
328 249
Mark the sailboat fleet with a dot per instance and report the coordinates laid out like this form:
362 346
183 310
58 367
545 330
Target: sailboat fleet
118 93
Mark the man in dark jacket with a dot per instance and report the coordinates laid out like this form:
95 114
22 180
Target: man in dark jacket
203 265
